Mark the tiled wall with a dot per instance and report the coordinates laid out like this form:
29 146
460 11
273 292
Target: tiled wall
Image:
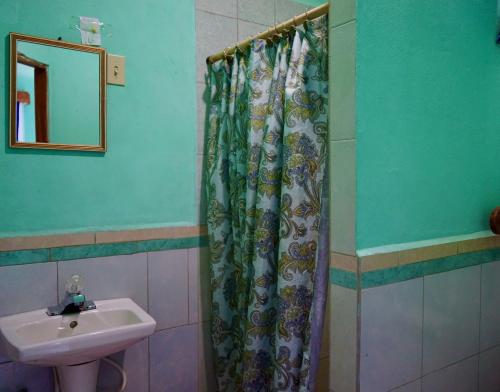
343 339
342 145
219 24
438 328
342 125
171 285
436 333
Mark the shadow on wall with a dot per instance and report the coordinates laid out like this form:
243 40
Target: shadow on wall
203 173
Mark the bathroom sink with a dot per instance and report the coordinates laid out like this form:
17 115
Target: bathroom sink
38 339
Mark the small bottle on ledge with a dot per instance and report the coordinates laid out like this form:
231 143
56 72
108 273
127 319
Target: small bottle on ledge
495 221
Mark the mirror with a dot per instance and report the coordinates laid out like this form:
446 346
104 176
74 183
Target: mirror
57 94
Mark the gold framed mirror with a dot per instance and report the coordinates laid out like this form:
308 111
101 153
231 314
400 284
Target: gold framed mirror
57 95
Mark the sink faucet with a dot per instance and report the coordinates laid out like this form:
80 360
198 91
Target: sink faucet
75 301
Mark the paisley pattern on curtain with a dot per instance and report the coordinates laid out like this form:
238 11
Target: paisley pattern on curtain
266 211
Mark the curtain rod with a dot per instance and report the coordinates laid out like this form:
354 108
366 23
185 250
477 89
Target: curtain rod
295 21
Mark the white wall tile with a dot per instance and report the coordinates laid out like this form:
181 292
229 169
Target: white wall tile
109 277
135 361
168 287
343 338
343 196
194 285
345 11
460 377
451 317
258 11
199 285
213 34
174 360
415 386
391 335
222 7
206 371
489 370
247 29
287 9
27 287
343 81
201 200
16 377
490 305
7 377
205 288
33 378
3 358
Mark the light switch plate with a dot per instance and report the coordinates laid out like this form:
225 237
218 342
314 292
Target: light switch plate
116 70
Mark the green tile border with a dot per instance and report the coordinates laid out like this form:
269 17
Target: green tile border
21 257
24 257
343 278
401 273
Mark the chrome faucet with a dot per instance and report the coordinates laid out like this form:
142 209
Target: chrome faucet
75 301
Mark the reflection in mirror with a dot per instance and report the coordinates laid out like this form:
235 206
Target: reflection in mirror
32 91
58 99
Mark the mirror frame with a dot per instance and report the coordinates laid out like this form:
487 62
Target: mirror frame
13 143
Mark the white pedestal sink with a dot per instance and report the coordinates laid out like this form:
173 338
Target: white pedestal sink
75 343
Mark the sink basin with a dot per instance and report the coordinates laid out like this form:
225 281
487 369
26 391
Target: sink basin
38 339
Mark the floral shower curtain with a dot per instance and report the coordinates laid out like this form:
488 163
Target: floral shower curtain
267 211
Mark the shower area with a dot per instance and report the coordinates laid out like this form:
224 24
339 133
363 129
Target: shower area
266 190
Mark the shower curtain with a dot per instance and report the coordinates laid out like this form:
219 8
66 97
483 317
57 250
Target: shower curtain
267 211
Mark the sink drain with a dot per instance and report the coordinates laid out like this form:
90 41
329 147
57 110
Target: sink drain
73 324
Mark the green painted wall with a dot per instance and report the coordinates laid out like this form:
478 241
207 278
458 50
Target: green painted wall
73 92
428 119
147 176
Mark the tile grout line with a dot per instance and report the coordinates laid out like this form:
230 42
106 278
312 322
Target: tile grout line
215 13
393 389
480 318
480 303
275 11
57 282
422 329
188 262
237 19
147 298
358 326
476 354
147 279
494 347
343 24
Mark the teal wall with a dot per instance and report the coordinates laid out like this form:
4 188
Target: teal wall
73 92
147 176
428 119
